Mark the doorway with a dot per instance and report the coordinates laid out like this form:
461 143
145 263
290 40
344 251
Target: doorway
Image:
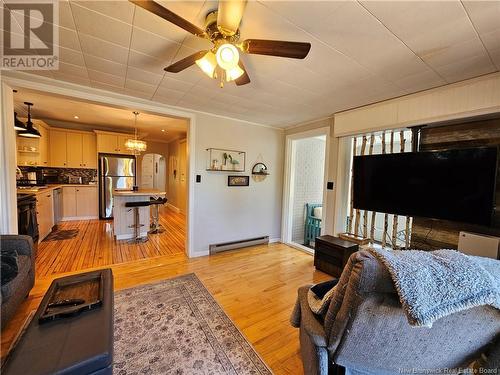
153 172
304 196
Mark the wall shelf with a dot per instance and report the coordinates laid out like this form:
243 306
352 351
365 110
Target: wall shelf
225 160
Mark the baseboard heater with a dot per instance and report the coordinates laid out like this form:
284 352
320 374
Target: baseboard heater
217 248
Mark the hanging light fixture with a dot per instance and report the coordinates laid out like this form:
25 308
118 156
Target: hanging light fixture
30 131
135 145
18 124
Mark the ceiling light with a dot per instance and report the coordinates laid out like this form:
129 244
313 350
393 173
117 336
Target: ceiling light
18 124
135 145
234 73
207 64
163 130
31 131
227 56
76 117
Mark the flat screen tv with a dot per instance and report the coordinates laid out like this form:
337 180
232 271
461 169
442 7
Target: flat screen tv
457 185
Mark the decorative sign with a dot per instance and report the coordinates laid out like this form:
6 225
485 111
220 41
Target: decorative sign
238 180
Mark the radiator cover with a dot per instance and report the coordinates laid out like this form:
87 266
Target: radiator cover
217 248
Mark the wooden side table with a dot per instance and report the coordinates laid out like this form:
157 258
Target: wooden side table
331 254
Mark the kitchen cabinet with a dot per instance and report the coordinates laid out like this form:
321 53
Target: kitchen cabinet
34 151
89 151
44 213
43 146
79 202
58 148
72 149
112 143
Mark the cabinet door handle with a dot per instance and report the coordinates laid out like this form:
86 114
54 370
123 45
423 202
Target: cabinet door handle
48 196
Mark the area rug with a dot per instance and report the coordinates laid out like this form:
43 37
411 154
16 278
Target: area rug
176 327
63 234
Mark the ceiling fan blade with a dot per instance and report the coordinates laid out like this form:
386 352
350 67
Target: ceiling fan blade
170 16
186 62
281 48
244 78
229 15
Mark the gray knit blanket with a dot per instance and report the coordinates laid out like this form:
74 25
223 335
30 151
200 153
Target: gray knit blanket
434 284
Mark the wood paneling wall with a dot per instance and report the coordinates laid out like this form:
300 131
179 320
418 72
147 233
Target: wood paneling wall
431 234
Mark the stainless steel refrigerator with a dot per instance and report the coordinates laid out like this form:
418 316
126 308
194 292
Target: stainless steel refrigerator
115 172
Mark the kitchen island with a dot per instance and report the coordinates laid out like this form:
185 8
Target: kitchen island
124 216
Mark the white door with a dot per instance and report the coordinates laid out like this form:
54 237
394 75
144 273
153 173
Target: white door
147 171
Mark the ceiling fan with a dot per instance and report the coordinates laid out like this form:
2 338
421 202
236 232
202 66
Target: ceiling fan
223 60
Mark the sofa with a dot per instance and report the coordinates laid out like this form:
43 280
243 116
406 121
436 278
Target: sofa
365 330
15 291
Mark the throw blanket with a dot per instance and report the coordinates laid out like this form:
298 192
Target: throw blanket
434 284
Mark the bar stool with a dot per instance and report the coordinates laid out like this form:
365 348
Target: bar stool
155 225
137 223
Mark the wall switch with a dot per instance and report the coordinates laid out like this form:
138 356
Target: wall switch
329 185
198 178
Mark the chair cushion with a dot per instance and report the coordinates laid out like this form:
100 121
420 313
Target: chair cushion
318 212
24 265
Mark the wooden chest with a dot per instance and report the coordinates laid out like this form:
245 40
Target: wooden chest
331 254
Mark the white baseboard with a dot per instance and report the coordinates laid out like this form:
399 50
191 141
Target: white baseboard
274 240
173 208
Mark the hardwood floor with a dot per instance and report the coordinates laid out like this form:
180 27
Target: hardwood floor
95 246
256 287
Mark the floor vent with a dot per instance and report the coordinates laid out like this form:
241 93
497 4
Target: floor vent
217 248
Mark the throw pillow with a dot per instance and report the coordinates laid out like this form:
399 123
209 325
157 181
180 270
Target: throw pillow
320 295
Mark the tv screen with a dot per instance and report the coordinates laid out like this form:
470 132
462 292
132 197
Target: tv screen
457 185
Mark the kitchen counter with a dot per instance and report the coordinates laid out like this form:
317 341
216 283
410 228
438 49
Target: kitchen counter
140 192
46 188
123 217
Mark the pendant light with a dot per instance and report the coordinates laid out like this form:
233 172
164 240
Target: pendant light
18 124
30 131
135 145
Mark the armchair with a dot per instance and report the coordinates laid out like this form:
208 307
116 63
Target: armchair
16 290
366 332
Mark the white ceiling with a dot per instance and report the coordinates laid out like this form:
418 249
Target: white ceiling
361 52
59 111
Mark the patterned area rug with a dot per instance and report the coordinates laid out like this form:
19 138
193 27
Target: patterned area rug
63 234
176 327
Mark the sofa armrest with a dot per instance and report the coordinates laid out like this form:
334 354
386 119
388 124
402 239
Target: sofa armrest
309 321
22 244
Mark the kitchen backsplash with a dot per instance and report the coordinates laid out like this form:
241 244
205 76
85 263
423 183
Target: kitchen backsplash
62 174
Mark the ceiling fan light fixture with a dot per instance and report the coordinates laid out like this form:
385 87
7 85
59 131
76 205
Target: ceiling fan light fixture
234 73
227 56
207 64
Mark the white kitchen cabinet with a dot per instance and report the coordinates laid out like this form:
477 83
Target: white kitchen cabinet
44 213
80 202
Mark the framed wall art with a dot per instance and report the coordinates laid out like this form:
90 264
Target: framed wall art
238 180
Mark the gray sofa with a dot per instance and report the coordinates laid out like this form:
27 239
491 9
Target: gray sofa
366 331
14 292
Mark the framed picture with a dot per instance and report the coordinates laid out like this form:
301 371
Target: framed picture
238 180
